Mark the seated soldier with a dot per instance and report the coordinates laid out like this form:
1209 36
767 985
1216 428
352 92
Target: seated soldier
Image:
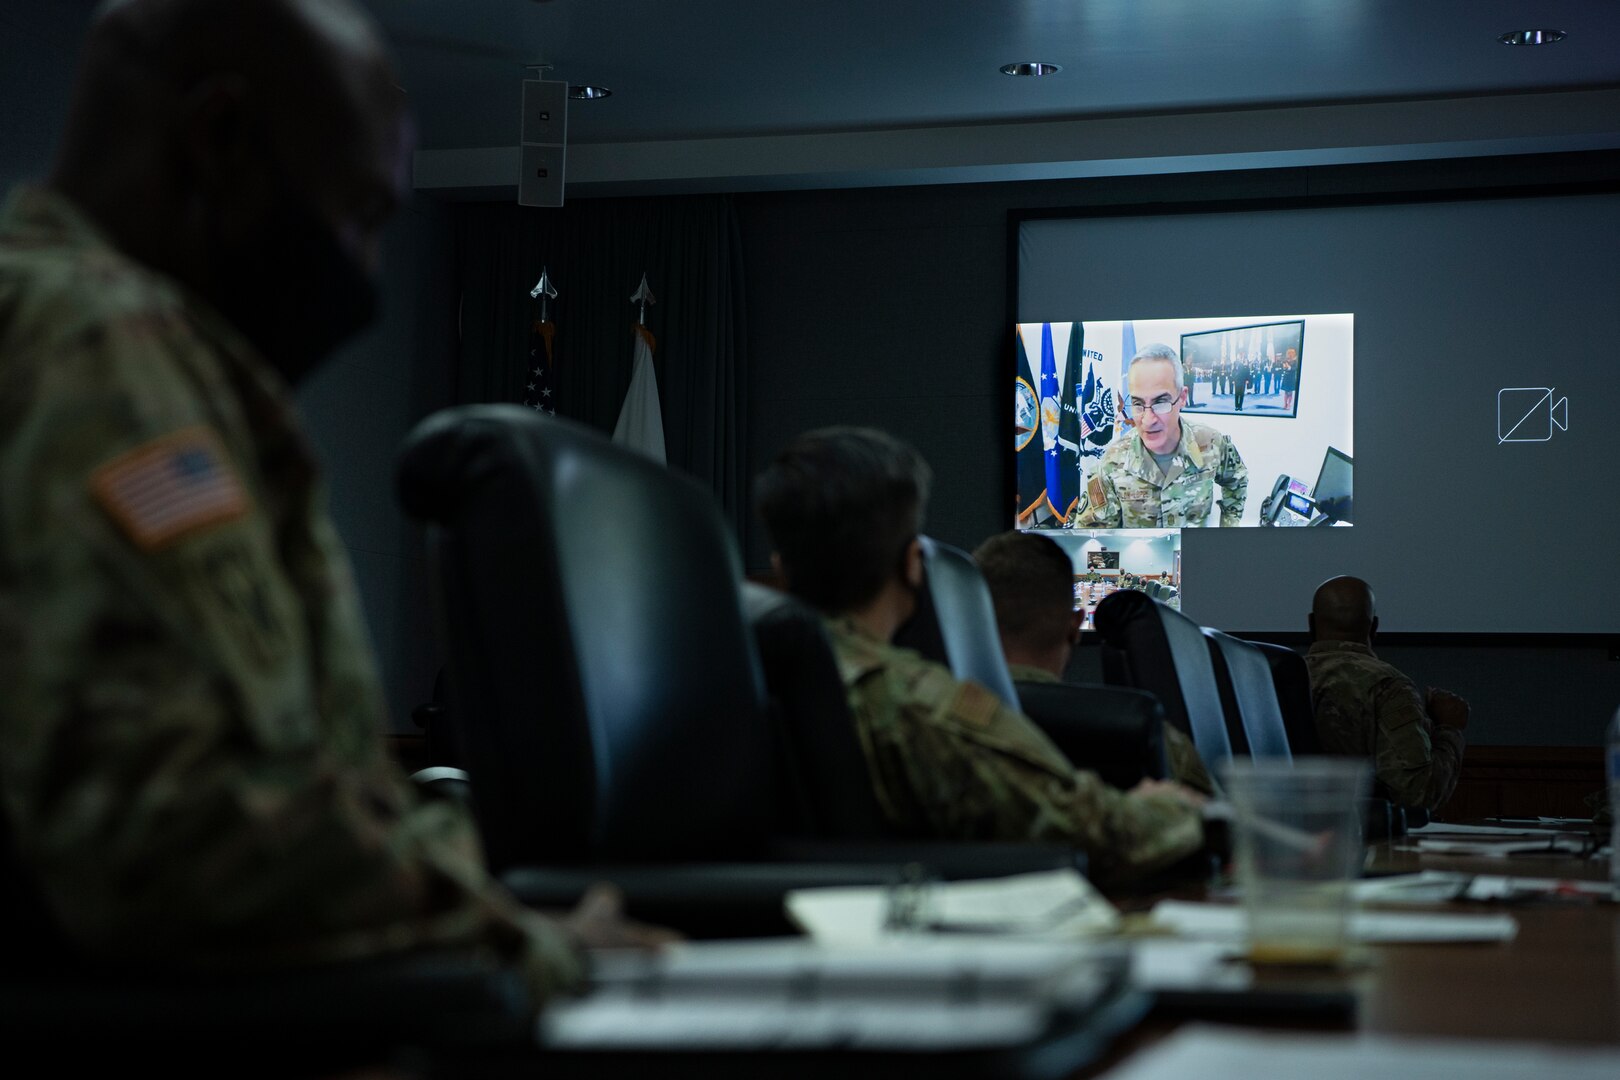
192 768
1031 583
948 759
1367 708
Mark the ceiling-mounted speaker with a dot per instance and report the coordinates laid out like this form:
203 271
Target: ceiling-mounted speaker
544 142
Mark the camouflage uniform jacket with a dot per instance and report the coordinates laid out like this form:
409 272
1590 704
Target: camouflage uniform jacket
949 760
1127 490
190 736
1366 708
1185 765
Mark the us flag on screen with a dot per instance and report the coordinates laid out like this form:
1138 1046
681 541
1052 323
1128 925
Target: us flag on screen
538 393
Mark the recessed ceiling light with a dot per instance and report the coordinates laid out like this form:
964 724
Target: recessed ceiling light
1030 67
589 93
1531 37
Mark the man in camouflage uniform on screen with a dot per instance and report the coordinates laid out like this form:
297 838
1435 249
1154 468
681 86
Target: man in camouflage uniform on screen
1367 708
947 759
191 763
1031 582
1163 475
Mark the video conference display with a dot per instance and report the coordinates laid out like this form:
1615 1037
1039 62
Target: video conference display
1478 360
1244 421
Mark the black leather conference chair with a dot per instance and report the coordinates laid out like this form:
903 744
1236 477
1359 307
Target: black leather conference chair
1149 646
1112 731
612 708
1254 720
1292 682
955 621
824 788
611 705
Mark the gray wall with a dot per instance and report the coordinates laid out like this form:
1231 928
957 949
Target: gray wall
39 50
890 307
358 409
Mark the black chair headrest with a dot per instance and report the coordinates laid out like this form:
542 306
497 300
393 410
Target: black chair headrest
599 664
1244 676
1165 654
955 621
1291 678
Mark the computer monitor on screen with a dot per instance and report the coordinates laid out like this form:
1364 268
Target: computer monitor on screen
1334 489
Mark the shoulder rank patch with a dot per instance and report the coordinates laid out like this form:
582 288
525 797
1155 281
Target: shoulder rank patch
974 705
170 487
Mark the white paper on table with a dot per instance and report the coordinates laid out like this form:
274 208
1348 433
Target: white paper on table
1437 828
1497 887
1222 922
917 964
1578 822
1425 888
1224 1053
627 1021
1545 843
1178 964
920 992
1053 904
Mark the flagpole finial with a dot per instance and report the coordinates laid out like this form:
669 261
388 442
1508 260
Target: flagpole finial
544 286
643 296
545 292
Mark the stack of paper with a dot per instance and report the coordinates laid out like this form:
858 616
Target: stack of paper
1542 844
917 994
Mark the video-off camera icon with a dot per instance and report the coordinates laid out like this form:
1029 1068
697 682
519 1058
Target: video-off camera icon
1529 414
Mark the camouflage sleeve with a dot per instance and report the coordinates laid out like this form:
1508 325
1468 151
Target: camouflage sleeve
1100 508
175 776
1418 766
1233 476
985 772
1186 766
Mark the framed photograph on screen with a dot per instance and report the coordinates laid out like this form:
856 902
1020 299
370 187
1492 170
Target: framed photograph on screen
1252 370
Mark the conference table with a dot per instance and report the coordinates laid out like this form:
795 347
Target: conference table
1556 981
1552 984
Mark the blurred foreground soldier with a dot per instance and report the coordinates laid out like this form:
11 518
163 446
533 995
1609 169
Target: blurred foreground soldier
1163 474
947 759
1032 586
1366 708
191 763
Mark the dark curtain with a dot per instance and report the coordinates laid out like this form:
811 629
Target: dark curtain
596 251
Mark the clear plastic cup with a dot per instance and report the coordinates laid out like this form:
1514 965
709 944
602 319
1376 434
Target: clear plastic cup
1298 841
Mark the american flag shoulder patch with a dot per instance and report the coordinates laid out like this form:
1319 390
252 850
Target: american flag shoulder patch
170 487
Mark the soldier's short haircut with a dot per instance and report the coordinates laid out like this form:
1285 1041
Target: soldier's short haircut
841 504
1031 583
1155 351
